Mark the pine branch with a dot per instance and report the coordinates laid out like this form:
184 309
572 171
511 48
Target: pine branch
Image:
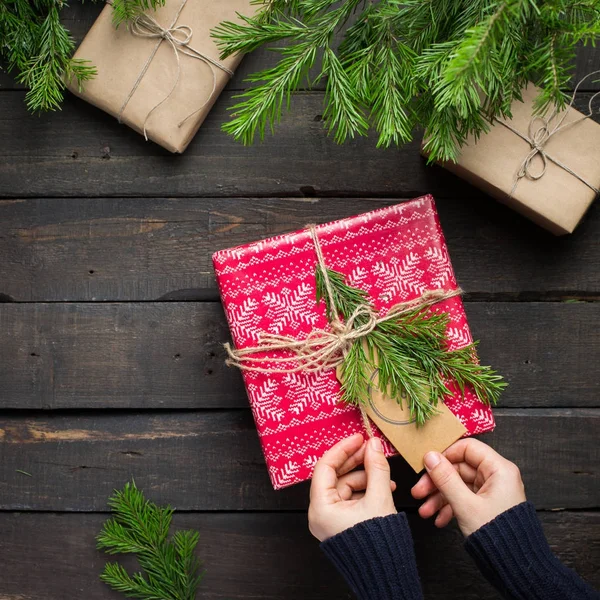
38 48
170 568
449 66
410 355
126 10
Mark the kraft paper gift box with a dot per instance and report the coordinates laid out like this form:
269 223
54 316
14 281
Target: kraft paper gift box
558 199
395 254
151 84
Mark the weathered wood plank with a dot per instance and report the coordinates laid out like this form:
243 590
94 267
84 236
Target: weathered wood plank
211 460
249 556
127 249
587 61
170 355
81 151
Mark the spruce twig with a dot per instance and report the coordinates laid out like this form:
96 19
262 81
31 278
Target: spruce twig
38 47
411 355
171 571
449 66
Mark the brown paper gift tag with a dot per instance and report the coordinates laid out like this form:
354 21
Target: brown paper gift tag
558 200
410 441
120 57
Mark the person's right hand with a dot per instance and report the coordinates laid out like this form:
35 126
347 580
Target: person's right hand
469 481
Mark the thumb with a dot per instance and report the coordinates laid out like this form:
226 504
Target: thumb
377 468
447 480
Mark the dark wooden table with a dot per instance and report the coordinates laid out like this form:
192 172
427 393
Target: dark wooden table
111 329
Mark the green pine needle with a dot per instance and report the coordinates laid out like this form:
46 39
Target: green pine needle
36 46
170 569
448 66
126 10
411 355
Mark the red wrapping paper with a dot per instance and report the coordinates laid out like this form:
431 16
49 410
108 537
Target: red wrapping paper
395 254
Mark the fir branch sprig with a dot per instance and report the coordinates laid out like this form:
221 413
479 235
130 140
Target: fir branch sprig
35 44
126 10
171 571
410 354
38 47
448 66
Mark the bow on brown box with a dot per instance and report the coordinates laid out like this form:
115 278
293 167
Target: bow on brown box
162 74
547 168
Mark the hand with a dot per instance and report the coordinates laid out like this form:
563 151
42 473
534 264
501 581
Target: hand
470 481
340 497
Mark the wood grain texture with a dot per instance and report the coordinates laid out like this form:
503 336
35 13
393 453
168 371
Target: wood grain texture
170 355
212 460
81 151
248 556
115 249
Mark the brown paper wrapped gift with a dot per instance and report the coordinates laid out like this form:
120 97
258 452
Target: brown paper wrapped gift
550 180
161 75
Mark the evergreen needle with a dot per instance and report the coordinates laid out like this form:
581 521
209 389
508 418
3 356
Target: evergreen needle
36 46
170 569
411 355
447 66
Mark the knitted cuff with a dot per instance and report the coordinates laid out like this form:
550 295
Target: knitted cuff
513 554
377 559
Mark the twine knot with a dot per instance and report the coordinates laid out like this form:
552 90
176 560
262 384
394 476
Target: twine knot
179 38
537 141
324 348
145 26
538 138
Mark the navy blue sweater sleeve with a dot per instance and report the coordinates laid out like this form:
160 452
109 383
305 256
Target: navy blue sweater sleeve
377 559
512 553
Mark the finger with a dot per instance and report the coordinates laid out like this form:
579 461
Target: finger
325 474
357 496
350 483
425 486
444 516
355 482
432 505
377 468
353 461
447 480
476 454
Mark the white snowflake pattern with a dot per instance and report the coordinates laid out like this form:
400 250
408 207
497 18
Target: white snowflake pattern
309 389
244 319
284 475
439 267
290 308
458 338
359 277
484 419
264 403
400 277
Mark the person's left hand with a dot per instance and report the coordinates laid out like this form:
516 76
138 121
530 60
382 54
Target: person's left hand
340 498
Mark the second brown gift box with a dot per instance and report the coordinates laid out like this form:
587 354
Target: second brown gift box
162 75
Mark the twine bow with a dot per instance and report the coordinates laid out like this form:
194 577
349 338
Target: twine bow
538 138
324 348
179 38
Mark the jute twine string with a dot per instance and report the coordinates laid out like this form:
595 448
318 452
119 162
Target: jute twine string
179 38
538 138
324 348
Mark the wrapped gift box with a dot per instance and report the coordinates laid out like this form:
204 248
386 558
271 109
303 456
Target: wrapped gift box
168 100
395 254
558 200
